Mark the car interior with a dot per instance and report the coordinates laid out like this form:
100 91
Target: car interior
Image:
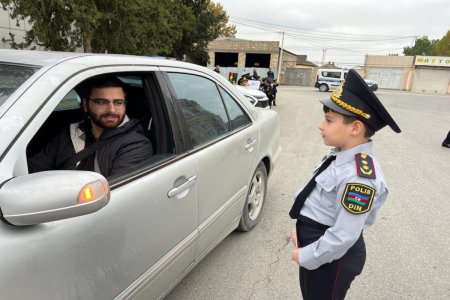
143 103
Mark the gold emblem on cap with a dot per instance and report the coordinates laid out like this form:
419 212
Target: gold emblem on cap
336 97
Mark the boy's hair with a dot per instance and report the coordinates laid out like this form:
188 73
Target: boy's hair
368 131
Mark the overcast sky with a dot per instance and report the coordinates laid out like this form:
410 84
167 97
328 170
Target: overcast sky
346 29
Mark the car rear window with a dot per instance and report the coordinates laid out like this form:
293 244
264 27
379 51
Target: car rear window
11 77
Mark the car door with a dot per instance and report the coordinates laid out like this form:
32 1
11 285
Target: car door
138 244
225 145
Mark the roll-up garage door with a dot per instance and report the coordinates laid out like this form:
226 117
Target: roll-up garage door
431 80
387 78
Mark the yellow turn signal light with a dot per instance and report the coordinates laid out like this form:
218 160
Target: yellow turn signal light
93 191
87 194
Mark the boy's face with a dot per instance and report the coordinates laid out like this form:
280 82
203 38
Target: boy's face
335 132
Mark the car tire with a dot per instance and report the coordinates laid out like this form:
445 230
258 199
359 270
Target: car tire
323 87
256 197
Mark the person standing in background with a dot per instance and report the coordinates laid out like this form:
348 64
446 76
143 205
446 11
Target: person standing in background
446 142
270 74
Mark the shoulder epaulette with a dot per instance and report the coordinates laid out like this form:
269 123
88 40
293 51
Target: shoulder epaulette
364 166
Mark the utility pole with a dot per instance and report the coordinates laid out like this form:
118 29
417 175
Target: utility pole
280 58
324 51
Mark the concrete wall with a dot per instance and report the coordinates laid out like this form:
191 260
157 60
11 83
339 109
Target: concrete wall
389 67
242 47
8 25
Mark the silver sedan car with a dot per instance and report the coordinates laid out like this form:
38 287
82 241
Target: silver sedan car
68 234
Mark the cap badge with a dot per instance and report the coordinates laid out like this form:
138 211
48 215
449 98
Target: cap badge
336 97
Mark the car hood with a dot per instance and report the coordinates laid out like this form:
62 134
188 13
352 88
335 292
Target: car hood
251 92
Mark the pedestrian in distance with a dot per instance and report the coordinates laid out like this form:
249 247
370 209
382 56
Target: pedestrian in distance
266 87
274 91
344 195
255 75
217 69
446 142
270 74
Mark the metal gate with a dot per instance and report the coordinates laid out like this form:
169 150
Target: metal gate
387 78
295 76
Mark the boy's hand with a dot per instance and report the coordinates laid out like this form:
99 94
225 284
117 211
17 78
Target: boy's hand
294 255
294 237
295 252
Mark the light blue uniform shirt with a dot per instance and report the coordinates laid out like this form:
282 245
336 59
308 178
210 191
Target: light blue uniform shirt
324 206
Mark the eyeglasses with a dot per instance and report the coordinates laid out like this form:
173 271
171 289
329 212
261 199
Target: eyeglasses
104 102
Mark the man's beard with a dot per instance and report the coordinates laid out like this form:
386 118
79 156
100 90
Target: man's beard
100 120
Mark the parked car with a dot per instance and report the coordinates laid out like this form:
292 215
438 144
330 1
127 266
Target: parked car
372 84
329 79
79 235
256 97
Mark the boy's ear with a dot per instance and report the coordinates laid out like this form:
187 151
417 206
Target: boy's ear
358 127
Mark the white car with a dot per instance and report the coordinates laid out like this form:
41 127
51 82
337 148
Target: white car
68 234
330 79
256 97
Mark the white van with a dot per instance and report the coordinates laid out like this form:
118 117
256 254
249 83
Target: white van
328 79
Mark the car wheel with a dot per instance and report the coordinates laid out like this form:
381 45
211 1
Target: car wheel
323 87
256 197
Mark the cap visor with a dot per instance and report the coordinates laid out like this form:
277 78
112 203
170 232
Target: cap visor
330 104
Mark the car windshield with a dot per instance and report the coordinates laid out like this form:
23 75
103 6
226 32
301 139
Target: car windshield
11 77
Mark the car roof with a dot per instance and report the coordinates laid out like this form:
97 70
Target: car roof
51 58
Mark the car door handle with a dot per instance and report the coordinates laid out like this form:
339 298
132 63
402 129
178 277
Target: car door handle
250 144
178 190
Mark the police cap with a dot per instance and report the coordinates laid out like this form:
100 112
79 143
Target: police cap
355 98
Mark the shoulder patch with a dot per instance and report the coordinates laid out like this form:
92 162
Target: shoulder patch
357 198
364 166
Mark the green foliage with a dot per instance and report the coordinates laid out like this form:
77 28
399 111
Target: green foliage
210 23
442 48
171 27
422 46
58 25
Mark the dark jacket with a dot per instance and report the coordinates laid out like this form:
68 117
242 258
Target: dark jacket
128 147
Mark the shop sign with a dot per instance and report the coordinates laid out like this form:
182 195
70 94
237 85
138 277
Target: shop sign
435 61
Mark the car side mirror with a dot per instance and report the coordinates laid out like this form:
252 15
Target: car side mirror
52 195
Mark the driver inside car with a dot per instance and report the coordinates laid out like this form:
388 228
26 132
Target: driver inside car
106 141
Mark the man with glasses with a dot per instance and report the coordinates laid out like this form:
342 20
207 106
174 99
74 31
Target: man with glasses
106 141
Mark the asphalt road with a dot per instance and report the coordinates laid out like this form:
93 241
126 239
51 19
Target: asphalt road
409 246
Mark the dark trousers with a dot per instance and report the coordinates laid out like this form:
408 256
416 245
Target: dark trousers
332 280
447 139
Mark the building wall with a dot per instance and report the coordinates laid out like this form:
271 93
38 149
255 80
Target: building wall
7 26
392 72
242 47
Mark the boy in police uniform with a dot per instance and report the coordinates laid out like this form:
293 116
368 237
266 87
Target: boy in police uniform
343 196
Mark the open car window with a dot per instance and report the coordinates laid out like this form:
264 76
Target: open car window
143 108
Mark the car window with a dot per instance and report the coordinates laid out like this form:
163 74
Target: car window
202 107
11 77
71 101
142 138
237 116
331 74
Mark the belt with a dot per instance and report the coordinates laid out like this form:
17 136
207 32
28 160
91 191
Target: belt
305 221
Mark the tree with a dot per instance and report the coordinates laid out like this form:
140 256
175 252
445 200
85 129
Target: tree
175 27
61 25
442 48
210 23
140 26
422 46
